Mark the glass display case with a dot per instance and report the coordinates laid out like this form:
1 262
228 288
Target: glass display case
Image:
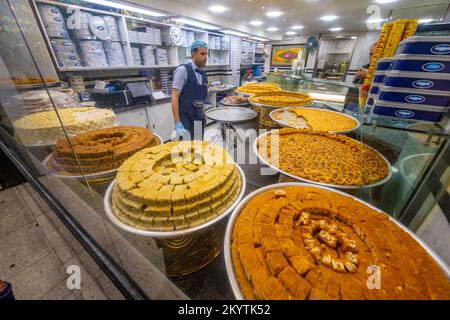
75 154
410 146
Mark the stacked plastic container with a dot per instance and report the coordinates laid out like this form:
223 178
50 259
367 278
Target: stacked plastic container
95 40
55 26
416 84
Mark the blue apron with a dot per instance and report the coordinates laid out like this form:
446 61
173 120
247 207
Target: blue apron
192 100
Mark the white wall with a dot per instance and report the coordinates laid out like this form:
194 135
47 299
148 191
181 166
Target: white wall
361 53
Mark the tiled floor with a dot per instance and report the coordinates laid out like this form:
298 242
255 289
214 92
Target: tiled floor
34 256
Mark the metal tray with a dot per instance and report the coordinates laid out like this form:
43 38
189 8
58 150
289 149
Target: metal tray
243 104
231 114
286 125
89 176
378 183
237 211
168 234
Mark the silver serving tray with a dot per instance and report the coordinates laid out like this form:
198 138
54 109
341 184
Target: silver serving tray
378 183
231 114
89 176
243 104
168 234
272 114
237 211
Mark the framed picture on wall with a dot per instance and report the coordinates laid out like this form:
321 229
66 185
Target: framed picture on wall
284 55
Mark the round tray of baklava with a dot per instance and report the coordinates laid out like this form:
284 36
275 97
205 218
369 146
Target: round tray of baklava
301 241
378 165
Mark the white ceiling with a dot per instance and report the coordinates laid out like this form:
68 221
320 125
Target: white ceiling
352 14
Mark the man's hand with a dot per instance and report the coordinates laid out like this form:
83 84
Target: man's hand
361 73
179 128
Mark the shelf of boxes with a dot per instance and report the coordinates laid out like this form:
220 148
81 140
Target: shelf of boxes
139 44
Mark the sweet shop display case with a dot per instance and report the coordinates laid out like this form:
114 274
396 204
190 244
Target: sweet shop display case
318 189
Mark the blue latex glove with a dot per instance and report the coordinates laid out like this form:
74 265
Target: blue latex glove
179 128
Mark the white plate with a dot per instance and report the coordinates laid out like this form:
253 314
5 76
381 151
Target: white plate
378 183
272 114
237 211
161 234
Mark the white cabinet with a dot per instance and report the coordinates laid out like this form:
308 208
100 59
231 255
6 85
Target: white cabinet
133 118
160 120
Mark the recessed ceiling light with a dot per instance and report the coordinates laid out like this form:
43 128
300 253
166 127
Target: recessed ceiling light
385 1
218 9
256 23
274 14
328 18
290 33
271 29
335 29
263 7
338 37
297 27
425 20
353 37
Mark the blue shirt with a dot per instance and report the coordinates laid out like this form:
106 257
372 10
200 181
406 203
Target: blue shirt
180 76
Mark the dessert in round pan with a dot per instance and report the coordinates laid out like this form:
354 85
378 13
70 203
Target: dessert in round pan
281 99
99 150
322 157
175 186
298 241
324 120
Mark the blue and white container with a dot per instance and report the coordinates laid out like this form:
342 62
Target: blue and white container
66 53
113 28
414 97
418 80
114 53
379 76
421 63
93 53
374 89
435 45
384 64
82 31
53 20
409 111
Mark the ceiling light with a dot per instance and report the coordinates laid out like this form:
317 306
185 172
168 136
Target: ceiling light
339 37
271 29
126 7
328 18
385 1
290 33
274 14
196 23
297 27
335 29
234 33
218 9
353 37
256 23
425 20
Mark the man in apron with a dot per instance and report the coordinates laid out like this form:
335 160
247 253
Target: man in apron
189 92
